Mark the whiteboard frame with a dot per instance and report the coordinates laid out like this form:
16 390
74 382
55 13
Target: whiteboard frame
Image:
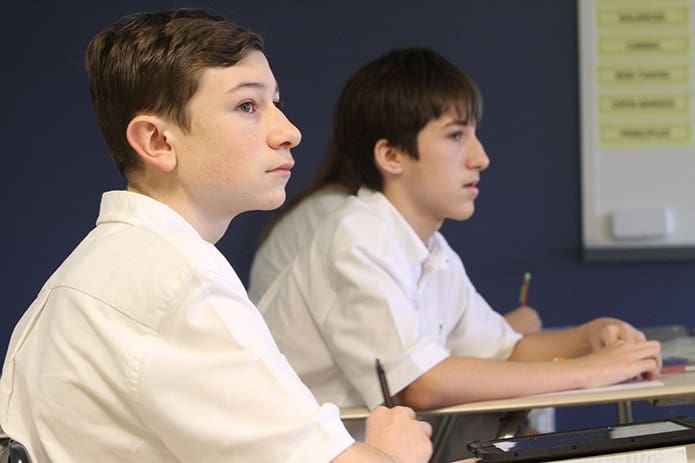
616 178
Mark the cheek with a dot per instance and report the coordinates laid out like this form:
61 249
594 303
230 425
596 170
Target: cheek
447 169
227 149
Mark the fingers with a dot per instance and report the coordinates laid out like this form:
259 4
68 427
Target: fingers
610 334
646 356
642 350
409 412
651 374
654 354
652 368
396 432
630 334
657 356
624 361
619 331
426 428
639 336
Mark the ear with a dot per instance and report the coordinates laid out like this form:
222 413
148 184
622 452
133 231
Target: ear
387 158
146 135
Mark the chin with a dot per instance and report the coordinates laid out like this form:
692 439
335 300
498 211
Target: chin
463 215
273 203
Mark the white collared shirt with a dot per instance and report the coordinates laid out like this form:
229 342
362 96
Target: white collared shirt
366 287
290 235
143 346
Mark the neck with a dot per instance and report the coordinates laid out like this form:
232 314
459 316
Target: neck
210 229
423 223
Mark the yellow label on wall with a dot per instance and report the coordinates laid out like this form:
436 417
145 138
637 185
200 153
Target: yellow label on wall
660 134
651 15
656 74
662 104
644 45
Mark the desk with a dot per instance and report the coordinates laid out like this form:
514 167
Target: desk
678 388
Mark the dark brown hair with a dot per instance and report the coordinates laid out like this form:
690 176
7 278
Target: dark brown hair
151 63
392 97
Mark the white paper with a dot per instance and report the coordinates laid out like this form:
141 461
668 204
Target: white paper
663 455
614 387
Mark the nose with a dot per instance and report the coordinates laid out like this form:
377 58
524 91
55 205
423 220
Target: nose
283 133
478 159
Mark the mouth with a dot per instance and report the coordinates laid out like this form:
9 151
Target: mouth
283 168
472 184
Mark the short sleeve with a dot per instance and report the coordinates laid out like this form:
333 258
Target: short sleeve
480 331
215 388
372 314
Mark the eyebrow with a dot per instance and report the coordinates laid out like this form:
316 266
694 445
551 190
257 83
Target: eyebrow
457 122
253 84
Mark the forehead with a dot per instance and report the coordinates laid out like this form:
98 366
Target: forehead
462 109
252 71
450 117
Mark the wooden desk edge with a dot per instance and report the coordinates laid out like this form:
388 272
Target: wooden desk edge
677 388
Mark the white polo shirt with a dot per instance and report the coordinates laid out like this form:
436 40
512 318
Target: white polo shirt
143 346
366 287
289 235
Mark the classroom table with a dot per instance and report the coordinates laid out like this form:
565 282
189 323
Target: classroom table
677 388
671 389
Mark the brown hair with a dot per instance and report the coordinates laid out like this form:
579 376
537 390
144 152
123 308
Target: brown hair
393 97
151 63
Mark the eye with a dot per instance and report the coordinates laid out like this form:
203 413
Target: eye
457 136
247 107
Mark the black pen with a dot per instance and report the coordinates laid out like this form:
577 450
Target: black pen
384 385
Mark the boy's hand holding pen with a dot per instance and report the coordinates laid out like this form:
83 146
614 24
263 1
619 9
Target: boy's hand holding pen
395 412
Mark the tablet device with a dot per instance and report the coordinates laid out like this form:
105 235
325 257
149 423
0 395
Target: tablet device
585 442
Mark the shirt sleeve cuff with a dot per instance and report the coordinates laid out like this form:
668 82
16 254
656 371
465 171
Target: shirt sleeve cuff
417 360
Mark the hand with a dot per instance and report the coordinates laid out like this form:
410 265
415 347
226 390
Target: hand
607 331
524 320
622 361
396 432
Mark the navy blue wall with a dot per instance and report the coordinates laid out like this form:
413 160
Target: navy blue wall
523 55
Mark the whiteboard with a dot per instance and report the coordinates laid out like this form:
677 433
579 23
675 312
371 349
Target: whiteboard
637 88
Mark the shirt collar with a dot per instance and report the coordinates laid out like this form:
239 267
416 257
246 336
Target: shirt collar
432 255
141 210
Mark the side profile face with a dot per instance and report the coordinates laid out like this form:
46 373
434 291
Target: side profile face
443 182
236 155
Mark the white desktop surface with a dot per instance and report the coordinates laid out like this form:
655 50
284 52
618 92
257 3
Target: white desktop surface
673 388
